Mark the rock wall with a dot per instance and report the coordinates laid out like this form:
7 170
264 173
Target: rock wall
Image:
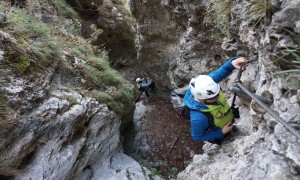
58 133
174 46
53 128
118 25
172 37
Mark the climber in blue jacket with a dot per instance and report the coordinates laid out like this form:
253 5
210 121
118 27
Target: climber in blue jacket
210 113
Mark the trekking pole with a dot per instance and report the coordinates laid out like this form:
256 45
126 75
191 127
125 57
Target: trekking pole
271 112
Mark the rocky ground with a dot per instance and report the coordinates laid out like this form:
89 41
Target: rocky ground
171 145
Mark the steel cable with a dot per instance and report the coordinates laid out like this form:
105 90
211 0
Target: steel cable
271 112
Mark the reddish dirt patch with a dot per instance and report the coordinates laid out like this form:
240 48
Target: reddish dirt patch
163 128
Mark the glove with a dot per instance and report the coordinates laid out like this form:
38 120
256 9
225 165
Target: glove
235 112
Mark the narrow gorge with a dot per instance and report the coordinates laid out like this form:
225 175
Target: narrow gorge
67 102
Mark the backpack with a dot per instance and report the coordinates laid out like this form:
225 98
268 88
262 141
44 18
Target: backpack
183 112
177 96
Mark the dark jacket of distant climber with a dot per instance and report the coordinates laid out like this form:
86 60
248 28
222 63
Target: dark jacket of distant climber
143 87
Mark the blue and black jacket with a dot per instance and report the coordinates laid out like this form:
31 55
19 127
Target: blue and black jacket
199 121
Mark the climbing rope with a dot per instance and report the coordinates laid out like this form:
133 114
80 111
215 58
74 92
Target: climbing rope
264 106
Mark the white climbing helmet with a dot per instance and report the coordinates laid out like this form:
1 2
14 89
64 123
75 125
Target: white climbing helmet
204 87
138 79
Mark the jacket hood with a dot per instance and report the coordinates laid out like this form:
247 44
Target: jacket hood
191 103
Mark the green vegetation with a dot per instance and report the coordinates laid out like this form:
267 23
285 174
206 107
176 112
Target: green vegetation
3 113
96 31
23 64
65 10
103 97
72 100
258 10
114 101
289 61
77 52
154 171
122 98
100 64
217 16
34 41
41 44
26 26
98 71
99 75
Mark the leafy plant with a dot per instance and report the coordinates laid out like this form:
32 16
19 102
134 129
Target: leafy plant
28 53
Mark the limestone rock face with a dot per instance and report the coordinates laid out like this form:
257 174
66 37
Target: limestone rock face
118 25
62 134
52 129
54 132
173 41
